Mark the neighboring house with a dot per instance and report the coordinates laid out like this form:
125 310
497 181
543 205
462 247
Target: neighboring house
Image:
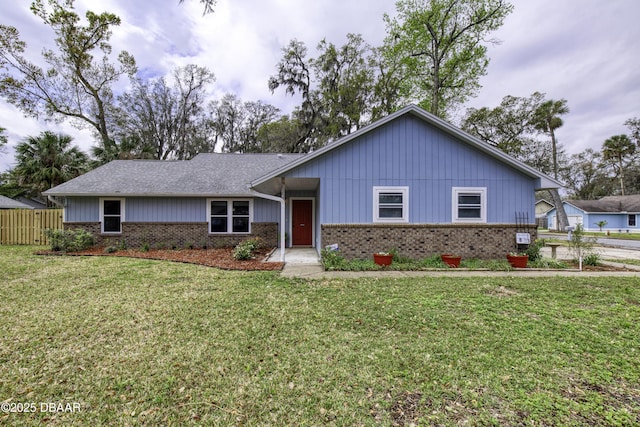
8 203
542 208
409 181
622 214
35 204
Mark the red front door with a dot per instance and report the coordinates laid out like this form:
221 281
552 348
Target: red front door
302 223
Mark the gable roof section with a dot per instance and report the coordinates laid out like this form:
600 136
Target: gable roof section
8 203
543 181
211 174
609 204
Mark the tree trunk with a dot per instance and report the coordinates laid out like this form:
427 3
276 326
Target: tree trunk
561 215
621 175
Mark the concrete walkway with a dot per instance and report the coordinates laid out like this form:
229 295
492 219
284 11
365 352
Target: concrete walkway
304 263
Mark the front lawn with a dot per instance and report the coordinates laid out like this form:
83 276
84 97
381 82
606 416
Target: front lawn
142 342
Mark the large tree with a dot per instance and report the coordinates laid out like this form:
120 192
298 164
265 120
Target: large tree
338 89
587 178
48 160
167 117
513 126
442 44
617 149
510 126
389 87
77 84
345 85
294 73
279 136
548 120
236 125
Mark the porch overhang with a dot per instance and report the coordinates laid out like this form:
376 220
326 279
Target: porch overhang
274 185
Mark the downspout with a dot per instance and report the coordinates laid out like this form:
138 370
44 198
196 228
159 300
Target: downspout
282 202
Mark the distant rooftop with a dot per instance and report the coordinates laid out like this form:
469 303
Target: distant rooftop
8 203
609 204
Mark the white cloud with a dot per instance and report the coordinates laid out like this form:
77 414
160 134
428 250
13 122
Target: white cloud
579 50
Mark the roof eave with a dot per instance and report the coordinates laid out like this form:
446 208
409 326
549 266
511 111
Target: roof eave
182 195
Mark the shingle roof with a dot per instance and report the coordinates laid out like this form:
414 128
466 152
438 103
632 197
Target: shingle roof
609 204
8 203
204 175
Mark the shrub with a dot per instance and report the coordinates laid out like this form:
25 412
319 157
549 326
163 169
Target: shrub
397 258
110 249
592 258
332 260
534 250
581 245
244 250
69 240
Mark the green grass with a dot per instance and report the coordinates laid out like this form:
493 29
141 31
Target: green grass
138 342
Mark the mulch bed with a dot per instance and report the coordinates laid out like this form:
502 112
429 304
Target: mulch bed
219 258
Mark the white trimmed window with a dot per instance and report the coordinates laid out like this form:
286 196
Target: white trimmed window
469 204
390 204
111 215
631 220
230 215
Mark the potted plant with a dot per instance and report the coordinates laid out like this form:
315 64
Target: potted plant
383 258
518 260
451 260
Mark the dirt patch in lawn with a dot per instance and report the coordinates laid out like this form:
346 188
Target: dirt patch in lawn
219 258
599 267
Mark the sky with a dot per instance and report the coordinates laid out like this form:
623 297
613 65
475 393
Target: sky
584 51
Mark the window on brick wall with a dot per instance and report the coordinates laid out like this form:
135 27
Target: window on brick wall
111 215
227 216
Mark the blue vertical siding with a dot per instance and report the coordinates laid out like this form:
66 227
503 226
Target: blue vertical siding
165 209
162 209
410 152
266 210
614 221
82 209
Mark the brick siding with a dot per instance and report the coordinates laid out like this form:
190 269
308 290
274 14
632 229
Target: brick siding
175 234
483 241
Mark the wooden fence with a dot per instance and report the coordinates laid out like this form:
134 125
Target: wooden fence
26 227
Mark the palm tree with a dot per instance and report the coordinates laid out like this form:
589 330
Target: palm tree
547 120
48 160
617 148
